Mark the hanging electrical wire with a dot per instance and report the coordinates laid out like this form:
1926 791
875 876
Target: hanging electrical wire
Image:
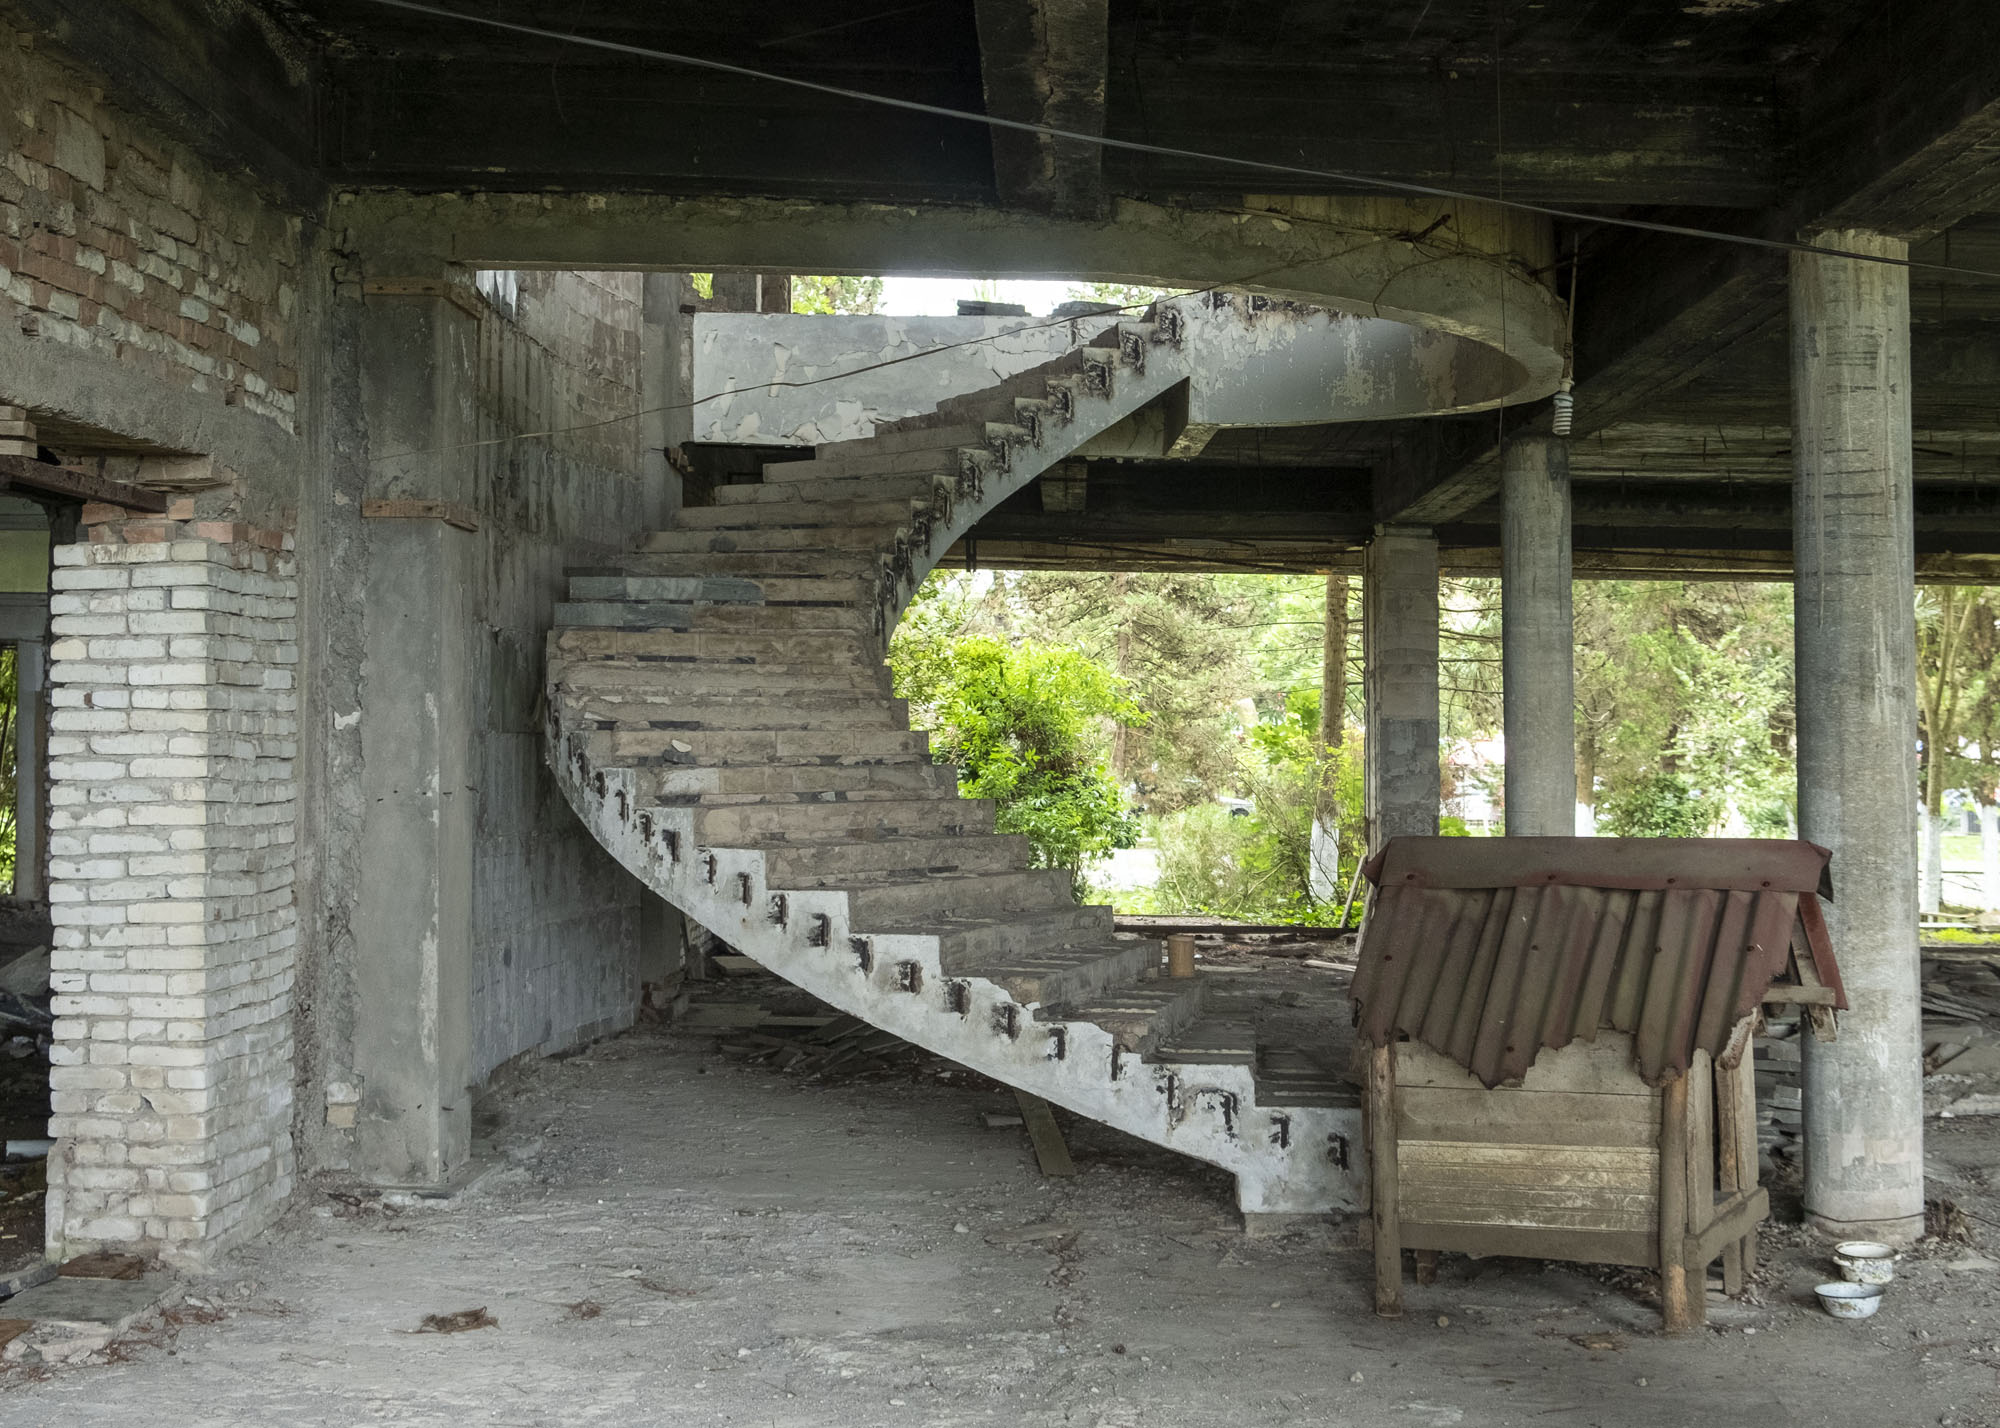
1105 141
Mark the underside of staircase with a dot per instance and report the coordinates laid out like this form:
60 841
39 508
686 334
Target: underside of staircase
721 716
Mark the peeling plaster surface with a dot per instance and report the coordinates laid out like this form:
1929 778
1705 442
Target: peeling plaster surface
737 356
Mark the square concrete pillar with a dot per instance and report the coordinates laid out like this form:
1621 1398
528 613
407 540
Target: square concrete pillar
1855 632
1400 681
1537 638
415 352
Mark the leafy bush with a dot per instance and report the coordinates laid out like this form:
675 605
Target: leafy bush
1259 868
1661 805
1025 725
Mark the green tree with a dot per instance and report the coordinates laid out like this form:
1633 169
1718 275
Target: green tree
827 296
1025 725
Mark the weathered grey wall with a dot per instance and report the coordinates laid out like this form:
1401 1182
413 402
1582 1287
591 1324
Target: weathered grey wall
555 930
739 352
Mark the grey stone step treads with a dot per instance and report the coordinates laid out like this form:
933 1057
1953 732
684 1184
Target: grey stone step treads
915 435
730 671
792 866
1212 1040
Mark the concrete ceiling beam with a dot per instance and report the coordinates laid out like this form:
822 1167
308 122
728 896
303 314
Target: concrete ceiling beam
1043 62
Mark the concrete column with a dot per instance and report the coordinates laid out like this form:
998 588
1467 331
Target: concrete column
416 359
1855 625
1537 638
666 385
1989 856
1400 658
1323 874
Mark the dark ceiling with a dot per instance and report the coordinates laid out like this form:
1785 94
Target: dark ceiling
1755 117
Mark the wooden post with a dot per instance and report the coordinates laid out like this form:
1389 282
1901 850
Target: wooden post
1733 1170
1700 1173
1427 1266
1674 1306
1383 1178
1180 954
1745 1092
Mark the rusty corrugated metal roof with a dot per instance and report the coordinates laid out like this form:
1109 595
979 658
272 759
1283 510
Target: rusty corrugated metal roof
1490 949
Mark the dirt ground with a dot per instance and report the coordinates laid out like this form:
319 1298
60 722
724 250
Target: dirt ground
671 1235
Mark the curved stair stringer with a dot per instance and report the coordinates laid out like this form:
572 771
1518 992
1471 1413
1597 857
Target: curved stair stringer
1106 1052
1286 1160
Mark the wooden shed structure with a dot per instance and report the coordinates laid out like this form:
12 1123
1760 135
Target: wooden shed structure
1558 1034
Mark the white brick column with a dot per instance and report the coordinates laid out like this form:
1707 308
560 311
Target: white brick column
172 816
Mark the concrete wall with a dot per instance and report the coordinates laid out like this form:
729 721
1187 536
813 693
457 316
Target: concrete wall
739 352
152 304
555 931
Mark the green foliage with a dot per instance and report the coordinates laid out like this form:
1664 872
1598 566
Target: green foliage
1684 704
1125 295
704 284
1259 868
1661 805
826 296
1025 725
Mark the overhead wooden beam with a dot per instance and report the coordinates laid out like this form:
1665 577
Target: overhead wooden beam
73 483
1043 62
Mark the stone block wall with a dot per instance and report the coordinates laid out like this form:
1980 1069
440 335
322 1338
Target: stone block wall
173 731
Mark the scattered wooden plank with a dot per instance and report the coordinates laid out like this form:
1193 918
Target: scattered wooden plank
103 1264
735 966
1045 1134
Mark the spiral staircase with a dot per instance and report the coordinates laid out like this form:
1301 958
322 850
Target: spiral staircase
721 717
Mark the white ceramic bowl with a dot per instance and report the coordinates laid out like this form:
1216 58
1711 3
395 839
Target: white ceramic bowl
1865 1261
1850 1301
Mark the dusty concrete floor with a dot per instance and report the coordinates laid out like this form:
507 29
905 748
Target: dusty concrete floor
674 1237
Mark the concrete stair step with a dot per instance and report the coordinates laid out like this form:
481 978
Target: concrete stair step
658 710
918 433
1142 1016
1066 975
828 647
719 593
892 899
804 863
798 539
801 514
586 586
923 461
778 619
760 565
1214 1040
1287 1077
713 783
735 824
968 944
903 486
709 748
696 679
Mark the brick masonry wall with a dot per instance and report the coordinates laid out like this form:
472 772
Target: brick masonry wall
115 241
173 732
